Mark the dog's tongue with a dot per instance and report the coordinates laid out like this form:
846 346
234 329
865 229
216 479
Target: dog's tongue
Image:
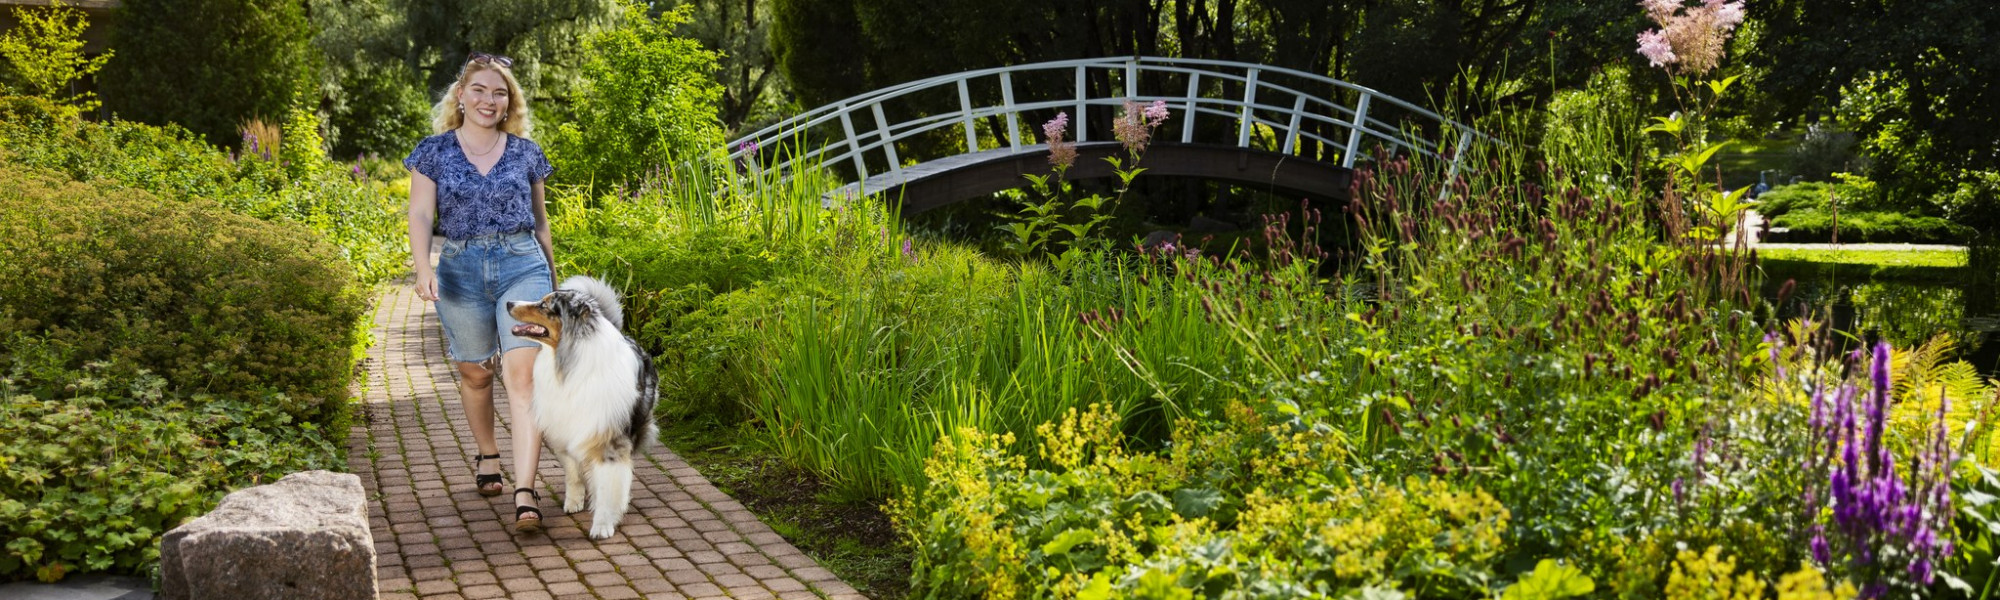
530 330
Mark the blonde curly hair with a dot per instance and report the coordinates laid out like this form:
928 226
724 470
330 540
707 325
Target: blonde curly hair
446 115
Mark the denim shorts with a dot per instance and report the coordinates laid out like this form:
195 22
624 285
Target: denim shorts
477 276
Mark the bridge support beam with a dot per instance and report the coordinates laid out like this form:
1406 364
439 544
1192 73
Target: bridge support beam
948 181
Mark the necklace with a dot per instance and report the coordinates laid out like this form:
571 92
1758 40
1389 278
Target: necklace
493 146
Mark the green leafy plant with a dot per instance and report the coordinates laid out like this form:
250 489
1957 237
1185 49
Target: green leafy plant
101 460
647 104
45 50
1689 45
1059 225
1255 505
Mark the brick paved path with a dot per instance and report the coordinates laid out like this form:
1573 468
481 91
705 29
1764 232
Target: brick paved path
437 538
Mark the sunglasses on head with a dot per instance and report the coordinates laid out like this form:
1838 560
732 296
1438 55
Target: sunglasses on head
494 59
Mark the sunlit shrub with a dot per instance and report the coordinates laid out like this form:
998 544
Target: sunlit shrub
1100 520
216 302
361 215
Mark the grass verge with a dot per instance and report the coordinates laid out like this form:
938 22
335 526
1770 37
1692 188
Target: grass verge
853 539
1942 266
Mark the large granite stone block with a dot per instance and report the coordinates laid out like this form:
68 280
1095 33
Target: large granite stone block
304 537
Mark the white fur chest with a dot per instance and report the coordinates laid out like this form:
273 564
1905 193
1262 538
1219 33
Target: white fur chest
593 396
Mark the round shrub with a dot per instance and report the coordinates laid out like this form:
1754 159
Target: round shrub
216 302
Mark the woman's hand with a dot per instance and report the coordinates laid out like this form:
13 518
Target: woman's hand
427 285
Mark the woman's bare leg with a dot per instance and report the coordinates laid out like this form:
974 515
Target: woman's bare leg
517 372
475 392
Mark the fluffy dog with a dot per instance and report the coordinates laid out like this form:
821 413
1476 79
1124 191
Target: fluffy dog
594 395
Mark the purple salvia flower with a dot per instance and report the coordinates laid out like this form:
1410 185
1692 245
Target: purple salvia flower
748 147
1820 552
1878 404
909 252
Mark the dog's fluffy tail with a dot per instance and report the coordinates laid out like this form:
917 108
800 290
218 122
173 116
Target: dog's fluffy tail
605 297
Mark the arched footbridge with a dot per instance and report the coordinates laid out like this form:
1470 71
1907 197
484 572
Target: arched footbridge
953 137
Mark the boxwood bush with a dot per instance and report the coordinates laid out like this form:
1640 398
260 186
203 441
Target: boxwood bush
216 302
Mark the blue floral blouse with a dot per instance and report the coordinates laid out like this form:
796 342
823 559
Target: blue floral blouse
470 204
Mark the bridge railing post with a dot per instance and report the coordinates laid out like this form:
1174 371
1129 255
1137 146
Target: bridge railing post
1249 100
853 146
1187 124
1013 115
965 107
1292 130
1353 149
1131 79
888 143
1457 157
1082 102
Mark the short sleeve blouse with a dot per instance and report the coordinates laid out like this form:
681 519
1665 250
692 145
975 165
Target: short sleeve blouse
471 204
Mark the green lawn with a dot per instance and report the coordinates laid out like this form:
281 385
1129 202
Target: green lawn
1934 266
1879 258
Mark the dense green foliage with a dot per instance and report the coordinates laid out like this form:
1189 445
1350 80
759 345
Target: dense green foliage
177 323
1255 503
739 32
655 91
545 38
374 103
44 54
209 65
359 215
1923 67
101 461
220 303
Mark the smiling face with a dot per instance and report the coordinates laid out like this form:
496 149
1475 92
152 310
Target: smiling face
487 98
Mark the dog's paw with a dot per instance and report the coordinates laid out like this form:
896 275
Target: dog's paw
574 503
600 531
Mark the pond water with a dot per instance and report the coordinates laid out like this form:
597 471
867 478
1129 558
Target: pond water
1905 311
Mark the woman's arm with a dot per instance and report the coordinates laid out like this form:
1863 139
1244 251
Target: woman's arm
423 213
542 233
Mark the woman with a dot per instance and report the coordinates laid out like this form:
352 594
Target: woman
481 179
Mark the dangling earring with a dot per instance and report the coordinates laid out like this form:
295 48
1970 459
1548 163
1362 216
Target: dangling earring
461 107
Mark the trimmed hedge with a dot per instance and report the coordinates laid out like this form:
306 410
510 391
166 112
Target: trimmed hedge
216 302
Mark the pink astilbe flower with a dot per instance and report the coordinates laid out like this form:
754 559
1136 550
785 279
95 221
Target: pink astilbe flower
1653 44
1156 113
1061 154
1691 39
1131 129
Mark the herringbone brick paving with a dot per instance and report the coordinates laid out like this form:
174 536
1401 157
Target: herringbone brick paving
436 538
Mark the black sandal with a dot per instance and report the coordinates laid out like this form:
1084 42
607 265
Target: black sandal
482 479
522 525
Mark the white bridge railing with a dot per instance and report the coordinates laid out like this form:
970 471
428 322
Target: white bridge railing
1268 108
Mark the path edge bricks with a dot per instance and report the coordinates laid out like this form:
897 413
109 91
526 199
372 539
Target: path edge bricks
437 539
